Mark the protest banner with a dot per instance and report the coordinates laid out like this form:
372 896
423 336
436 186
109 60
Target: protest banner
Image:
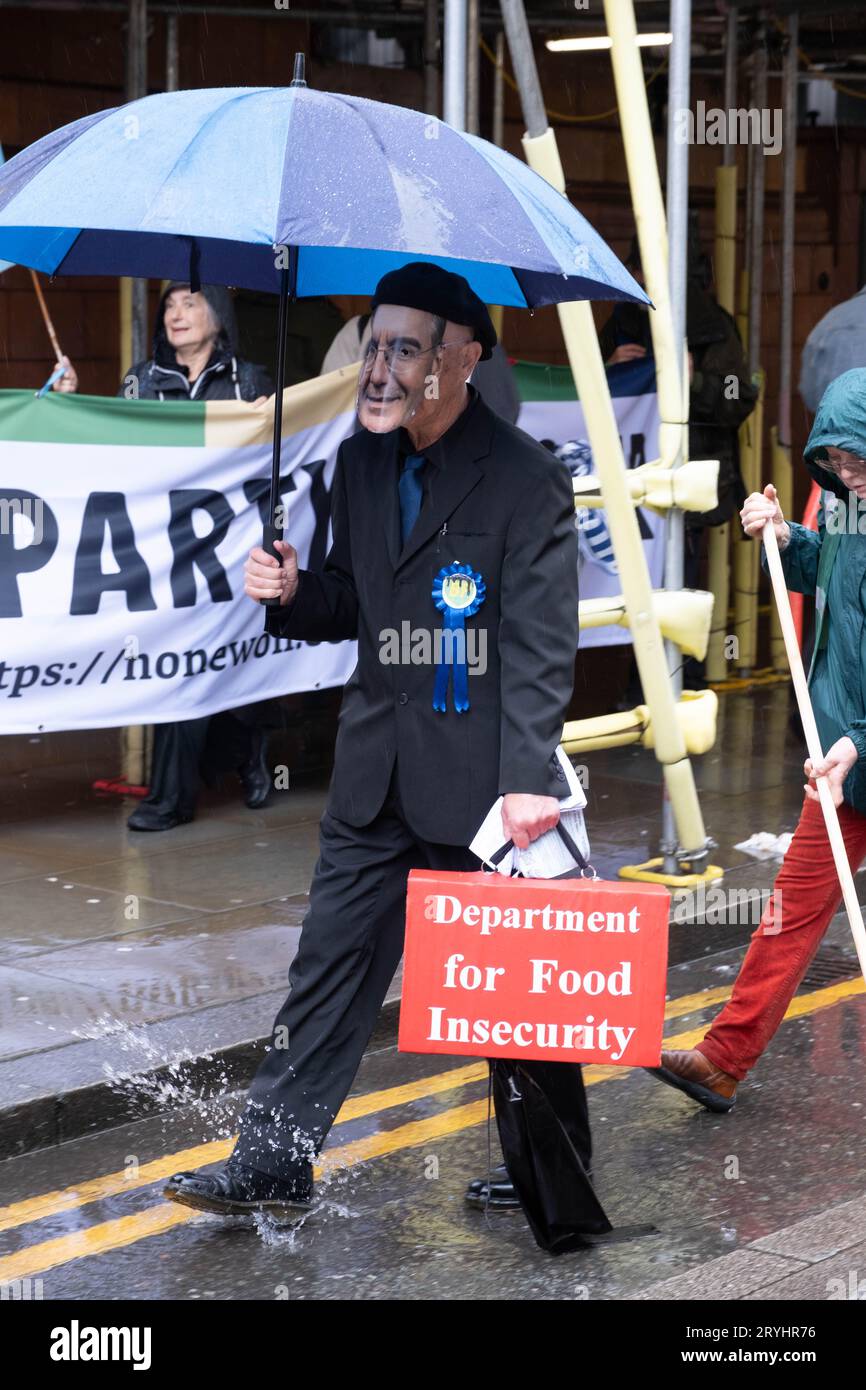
124 528
125 524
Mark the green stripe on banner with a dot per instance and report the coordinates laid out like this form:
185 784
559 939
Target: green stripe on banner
69 418
538 381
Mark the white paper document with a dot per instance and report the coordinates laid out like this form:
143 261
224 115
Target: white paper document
547 856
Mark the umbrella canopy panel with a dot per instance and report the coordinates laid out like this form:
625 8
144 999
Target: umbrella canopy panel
206 183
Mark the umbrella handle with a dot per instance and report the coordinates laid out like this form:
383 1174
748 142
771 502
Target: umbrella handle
813 743
271 533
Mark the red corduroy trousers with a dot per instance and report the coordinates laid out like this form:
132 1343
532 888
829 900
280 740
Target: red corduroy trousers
806 896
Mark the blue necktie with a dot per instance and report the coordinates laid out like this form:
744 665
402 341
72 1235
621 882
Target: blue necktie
411 491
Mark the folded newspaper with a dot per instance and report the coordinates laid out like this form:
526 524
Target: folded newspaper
547 856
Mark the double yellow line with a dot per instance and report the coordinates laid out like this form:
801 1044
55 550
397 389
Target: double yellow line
126 1230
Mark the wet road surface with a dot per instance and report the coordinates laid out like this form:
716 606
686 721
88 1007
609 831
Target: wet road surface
88 1218
764 1203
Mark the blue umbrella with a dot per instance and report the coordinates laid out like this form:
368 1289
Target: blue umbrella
298 192
359 187
4 265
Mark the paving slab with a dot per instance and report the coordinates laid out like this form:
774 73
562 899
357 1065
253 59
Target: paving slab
821 1236
50 911
731 1276
231 872
839 1279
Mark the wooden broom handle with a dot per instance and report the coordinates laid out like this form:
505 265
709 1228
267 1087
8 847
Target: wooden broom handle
813 743
55 343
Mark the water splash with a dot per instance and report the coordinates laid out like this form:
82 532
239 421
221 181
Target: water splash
159 1082
158 1079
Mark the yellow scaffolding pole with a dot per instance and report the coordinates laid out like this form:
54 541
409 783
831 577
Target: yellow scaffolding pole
590 378
717 666
584 357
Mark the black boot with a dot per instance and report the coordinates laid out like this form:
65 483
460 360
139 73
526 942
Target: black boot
255 773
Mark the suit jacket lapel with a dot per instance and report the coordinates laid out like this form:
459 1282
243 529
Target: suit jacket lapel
388 503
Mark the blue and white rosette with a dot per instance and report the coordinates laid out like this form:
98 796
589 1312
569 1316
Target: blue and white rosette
458 592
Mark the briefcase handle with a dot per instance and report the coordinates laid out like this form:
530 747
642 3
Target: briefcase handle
567 840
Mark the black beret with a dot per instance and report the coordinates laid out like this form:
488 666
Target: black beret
423 285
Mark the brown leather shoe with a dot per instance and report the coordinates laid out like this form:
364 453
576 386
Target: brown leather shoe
694 1074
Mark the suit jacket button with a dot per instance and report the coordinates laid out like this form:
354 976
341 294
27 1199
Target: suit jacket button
404 698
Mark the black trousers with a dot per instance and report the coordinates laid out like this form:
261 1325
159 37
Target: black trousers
192 750
350 947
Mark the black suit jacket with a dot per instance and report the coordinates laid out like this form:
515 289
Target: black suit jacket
500 502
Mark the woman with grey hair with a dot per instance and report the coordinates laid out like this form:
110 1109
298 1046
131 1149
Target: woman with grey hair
194 357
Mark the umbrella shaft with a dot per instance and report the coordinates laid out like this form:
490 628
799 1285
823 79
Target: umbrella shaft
273 529
288 285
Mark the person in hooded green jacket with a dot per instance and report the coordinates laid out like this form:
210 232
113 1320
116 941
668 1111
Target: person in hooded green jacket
831 564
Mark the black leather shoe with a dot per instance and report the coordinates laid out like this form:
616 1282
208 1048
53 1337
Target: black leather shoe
239 1191
255 774
502 1195
145 817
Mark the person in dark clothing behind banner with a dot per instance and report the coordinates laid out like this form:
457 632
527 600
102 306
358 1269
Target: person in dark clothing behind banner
432 477
310 327
194 357
721 396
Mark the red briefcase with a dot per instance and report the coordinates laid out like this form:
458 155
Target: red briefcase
564 969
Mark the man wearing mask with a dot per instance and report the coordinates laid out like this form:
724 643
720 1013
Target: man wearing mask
432 477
